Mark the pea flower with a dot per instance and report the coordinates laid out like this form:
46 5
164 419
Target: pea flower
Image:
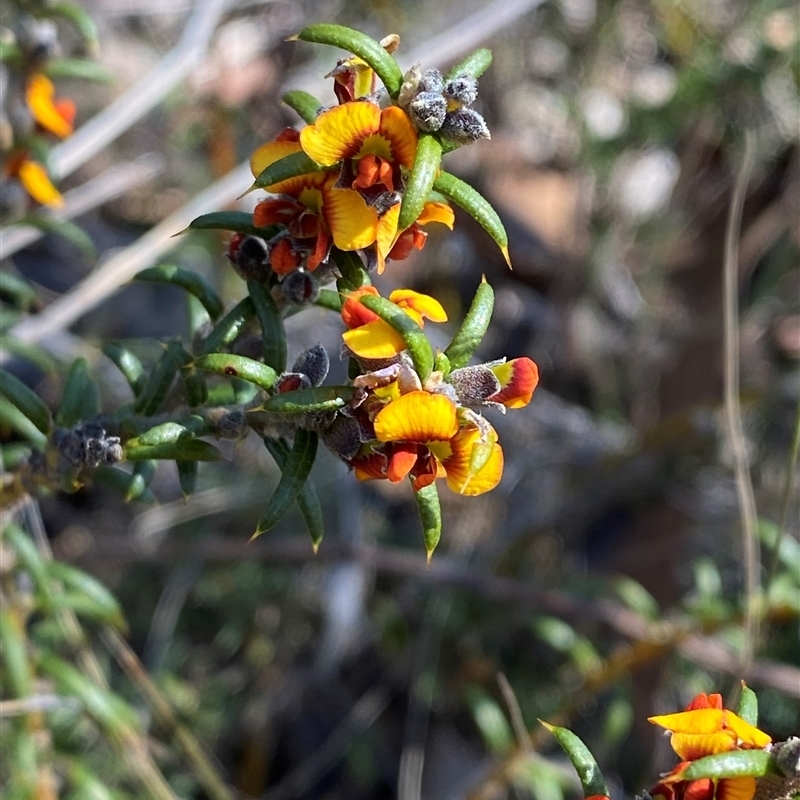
706 728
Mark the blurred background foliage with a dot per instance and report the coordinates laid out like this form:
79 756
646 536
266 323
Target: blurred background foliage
600 583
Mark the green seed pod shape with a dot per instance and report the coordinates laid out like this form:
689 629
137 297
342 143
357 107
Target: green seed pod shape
591 778
360 45
734 764
237 367
421 179
473 329
477 206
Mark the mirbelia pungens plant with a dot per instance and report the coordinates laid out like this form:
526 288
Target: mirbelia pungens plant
351 191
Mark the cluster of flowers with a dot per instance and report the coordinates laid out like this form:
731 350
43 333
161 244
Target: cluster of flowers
705 728
399 426
31 113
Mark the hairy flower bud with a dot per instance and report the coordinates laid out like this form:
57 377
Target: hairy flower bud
410 86
431 81
343 437
249 257
87 446
300 287
427 111
465 126
474 385
463 90
313 363
231 425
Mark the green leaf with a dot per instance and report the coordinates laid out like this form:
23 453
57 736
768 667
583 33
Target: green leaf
31 560
11 417
112 713
158 384
636 597
734 764
477 206
291 166
9 51
82 21
354 275
85 785
304 401
474 65
18 291
491 721
120 481
273 334
182 450
142 476
128 364
591 778
63 228
330 300
236 221
417 344
748 705
187 477
473 329
13 454
237 367
361 45
26 400
229 327
98 602
78 384
295 472
187 280
430 513
307 500
421 179
14 651
81 68
170 432
306 105
30 352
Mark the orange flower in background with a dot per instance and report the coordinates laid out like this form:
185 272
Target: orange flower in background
427 438
706 728
372 338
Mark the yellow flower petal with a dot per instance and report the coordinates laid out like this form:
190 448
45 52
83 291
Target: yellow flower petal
423 304
339 132
464 475
386 234
437 212
398 130
745 731
701 720
36 182
691 746
269 153
39 96
376 340
417 417
743 788
352 222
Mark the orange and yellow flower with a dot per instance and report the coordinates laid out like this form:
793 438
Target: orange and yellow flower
426 437
369 336
706 728
518 379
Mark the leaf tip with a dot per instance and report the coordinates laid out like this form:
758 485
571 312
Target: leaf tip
506 255
293 38
547 725
315 547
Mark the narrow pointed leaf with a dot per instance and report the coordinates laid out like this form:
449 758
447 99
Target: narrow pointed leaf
430 512
295 472
143 474
474 65
78 16
735 764
273 334
477 206
29 557
421 179
591 778
11 417
330 300
81 68
417 344
237 367
290 166
18 291
358 44
303 401
748 705
36 355
473 329
234 221
128 364
99 600
229 327
71 408
182 450
354 275
13 454
63 228
119 480
187 477
169 432
158 384
306 105
307 500
26 400
187 280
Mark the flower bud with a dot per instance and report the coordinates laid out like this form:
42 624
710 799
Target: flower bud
431 81
465 126
300 287
427 111
289 381
463 90
248 255
343 437
314 364
38 39
231 425
474 385
410 86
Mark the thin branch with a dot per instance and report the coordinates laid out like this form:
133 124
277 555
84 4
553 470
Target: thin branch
107 278
515 713
110 184
733 411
